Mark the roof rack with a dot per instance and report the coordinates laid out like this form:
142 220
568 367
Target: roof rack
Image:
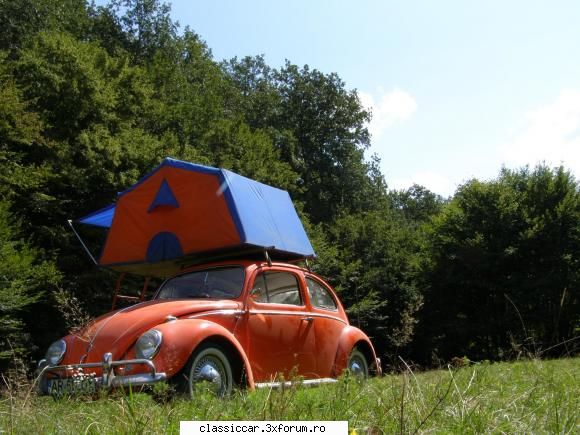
117 296
168 268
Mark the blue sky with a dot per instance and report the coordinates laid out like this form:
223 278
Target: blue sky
457 88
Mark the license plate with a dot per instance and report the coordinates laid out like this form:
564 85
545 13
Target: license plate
72 386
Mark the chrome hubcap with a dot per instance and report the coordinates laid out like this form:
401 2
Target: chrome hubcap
210 370
357 366
210 374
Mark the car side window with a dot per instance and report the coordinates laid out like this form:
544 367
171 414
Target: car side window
259 293
276 288
320 297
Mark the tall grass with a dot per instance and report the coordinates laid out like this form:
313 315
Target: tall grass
520 397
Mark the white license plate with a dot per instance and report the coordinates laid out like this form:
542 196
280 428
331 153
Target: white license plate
72 386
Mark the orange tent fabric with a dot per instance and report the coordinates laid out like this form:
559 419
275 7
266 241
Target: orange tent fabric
182 209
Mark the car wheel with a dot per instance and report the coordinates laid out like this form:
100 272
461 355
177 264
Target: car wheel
357 364
208 369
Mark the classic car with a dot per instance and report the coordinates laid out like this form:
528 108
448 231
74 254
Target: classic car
248 323
226 313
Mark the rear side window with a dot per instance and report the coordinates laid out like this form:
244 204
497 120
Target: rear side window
320 297
276 288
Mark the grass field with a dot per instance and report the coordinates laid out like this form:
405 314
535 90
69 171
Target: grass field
519 397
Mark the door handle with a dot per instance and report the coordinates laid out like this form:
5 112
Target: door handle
308 319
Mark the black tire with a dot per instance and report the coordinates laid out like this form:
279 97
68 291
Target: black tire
357 364
208 368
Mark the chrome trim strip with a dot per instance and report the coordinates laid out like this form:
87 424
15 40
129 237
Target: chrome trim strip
305 383
214 312
304 314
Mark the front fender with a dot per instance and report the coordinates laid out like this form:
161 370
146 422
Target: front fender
182 337
349 338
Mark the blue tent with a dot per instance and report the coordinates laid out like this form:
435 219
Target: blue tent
184 210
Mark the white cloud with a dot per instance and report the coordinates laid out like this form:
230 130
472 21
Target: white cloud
433 181
388 109
550 133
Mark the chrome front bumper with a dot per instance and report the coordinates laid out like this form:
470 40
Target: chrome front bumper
108 379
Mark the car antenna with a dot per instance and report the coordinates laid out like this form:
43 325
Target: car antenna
268 259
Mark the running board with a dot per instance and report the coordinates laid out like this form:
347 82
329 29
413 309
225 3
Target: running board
304 383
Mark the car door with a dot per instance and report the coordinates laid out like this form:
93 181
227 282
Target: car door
280 329
329 322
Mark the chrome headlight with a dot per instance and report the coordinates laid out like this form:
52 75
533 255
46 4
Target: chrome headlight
55 352
148 344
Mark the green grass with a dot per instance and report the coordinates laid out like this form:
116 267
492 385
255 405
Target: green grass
519 397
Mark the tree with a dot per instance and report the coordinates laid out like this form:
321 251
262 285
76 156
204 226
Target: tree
504 267
234 146
23 278
320 129
91 102
19 127
259 100
140 27
417 203
22 19
372 259
88 141
191 92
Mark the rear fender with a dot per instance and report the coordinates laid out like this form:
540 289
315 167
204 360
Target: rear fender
182 337
350 338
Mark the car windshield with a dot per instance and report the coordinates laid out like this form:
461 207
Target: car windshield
217 283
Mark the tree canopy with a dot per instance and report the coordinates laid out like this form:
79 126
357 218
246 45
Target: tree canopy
93 97
503 267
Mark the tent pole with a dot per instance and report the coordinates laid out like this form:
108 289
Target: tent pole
82 242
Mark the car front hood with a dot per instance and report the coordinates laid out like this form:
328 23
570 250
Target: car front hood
117 331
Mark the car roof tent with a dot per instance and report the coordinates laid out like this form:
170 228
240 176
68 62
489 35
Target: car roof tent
183 211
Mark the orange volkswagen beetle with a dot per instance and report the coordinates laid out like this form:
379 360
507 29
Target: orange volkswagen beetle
245 323
228 322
